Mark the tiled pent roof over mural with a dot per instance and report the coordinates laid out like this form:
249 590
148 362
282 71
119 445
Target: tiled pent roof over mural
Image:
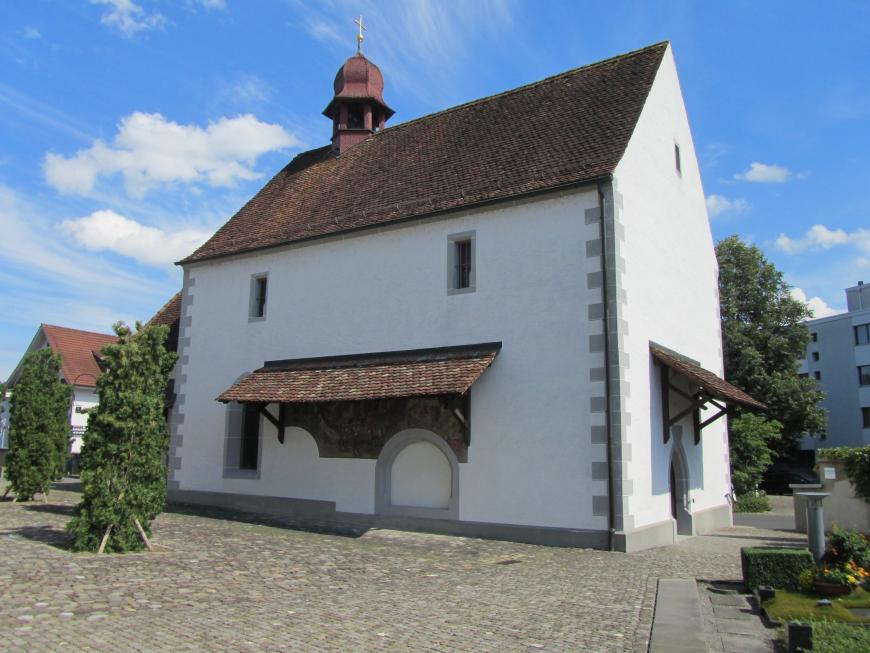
446 370
563 130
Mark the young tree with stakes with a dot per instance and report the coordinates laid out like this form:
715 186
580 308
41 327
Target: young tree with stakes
123 461
38 426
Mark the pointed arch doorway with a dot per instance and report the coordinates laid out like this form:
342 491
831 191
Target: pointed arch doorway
678 484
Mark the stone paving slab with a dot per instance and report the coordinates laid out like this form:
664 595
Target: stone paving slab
677 625
223 583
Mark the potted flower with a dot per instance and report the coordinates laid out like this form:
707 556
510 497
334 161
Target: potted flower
834 581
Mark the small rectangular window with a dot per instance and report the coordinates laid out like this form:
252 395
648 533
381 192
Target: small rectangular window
259 286
250 445
677 160
865 417
864 375
461 263
862 334
815 355
817 375
814 336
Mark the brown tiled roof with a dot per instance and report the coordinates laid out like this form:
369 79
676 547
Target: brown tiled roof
419 372
77 350
169 315
717 387
563 130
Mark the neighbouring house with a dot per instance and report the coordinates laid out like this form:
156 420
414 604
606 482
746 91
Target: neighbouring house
79 352
4 429
838 357
498 320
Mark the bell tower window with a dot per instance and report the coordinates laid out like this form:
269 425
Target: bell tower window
355 117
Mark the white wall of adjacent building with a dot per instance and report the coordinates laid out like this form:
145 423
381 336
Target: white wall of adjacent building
84 398
386 289
671 298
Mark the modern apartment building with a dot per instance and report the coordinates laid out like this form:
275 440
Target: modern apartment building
838 357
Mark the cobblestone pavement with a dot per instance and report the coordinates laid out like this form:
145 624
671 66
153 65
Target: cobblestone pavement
223 584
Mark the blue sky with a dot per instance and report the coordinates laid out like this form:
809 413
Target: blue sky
131 129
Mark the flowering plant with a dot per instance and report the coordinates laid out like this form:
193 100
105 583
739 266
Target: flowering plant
849 574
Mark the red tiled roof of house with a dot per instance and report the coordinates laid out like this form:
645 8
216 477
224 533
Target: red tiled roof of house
717 387
76 349
366 376
564 130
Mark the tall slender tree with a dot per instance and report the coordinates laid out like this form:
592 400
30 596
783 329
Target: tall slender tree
38 426
763 338
124 454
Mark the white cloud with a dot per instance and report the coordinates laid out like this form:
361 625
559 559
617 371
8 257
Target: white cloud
149 151
38 253
213 4
31 33
129 18
819 237
107 230
763 173
719 204
816 304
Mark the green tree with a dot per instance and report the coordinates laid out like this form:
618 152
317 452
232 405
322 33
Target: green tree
763 338
752 438
124 454
38 426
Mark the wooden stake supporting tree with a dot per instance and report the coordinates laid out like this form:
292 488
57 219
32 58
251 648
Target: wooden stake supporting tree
123 459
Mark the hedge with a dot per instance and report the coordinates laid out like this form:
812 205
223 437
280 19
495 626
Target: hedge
777 567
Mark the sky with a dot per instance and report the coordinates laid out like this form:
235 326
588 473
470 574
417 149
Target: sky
130 130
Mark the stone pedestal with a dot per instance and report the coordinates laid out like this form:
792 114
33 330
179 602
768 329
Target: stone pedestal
815 522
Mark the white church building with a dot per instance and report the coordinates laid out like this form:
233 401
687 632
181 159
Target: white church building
497 320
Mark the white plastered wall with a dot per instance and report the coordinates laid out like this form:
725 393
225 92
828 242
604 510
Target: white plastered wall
530 453
671 297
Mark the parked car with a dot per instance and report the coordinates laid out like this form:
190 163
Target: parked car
778 478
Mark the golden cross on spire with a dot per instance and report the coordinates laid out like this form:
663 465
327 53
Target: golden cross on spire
359 36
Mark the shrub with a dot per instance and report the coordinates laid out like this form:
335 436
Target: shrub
846 545
38 426
777 567
752 503
124 457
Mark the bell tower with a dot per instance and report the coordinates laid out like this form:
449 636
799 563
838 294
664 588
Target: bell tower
357 108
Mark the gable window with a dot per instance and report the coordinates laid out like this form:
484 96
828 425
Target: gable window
862 334
865 417
815 355
461 263
677 162
259 286
864 375
814 336
817 375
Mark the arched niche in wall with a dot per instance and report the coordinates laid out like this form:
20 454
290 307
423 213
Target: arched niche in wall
417 475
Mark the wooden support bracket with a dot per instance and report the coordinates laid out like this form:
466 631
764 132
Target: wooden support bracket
278 422
697 402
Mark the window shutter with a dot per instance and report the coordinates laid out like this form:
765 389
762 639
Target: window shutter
235 424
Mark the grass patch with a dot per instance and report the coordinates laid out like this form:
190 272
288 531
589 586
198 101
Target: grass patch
833 637
801 606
